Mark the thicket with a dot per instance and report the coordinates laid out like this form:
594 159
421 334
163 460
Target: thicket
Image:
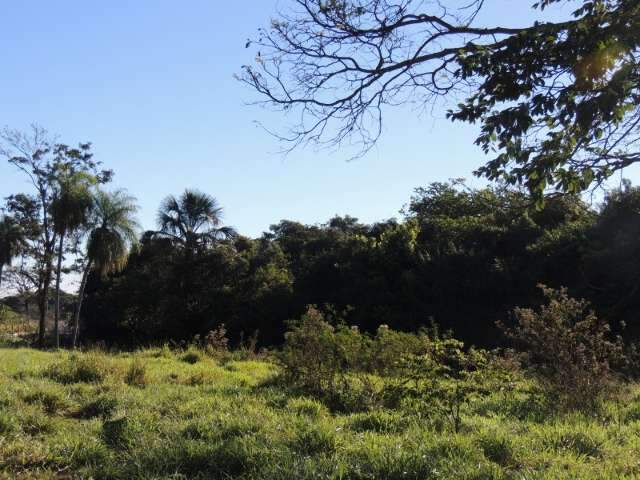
568 353
461 257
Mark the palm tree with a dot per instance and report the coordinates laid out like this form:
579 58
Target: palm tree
11 239
193 220
114 229
69 211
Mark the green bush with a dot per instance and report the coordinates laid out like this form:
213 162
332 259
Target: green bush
87 368
447 379
497 448
311 356
103 407
313 439
569 349
353 393
120 433
191 356
51 401
136 375
316 354
389 346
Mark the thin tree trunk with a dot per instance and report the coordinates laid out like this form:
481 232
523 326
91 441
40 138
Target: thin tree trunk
1 268
56 317
43 305
76 320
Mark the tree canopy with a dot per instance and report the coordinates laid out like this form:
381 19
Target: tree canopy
557 102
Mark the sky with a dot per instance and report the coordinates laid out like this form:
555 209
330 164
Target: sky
150 83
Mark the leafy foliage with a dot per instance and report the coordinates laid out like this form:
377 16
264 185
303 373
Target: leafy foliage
569 347
558 102
445 380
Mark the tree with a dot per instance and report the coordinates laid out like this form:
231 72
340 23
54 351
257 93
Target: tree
611 261
192 221
39 158
114 229
558 102
11 239
69 210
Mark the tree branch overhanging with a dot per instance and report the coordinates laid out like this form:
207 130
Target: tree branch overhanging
552 98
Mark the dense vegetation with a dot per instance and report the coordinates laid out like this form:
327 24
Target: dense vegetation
334 403
461 258
486 333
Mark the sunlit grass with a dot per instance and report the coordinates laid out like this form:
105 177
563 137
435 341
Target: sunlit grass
153 415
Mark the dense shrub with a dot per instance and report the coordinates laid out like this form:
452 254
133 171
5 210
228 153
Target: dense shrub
389 346
445 380
88 368
330 362
337 363
312 357
316 353
569 348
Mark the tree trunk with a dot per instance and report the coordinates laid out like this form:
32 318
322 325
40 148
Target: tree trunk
1 268
43 307
43 304
56 317
76 320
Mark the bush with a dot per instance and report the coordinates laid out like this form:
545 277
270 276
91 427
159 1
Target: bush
389 346
497 448
214 343
52 402
570 350
313 439
120 433
447 379
191 356
103 407
87 368
136 375
311 356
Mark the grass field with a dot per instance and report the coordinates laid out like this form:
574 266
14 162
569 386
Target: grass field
158 414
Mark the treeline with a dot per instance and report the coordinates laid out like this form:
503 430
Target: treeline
460 258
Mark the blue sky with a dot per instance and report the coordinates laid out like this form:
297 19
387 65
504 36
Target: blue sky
151 84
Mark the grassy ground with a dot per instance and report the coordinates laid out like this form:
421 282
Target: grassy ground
158 414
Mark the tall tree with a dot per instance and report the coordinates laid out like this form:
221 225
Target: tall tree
192 221
113 230
11 239
69 211
558 102
39 158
